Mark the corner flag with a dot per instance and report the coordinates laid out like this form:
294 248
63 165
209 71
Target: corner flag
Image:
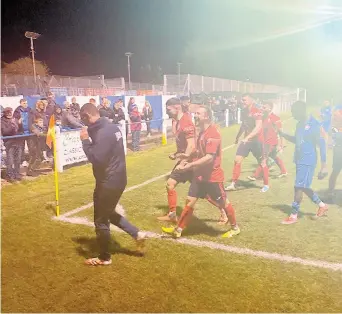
51 132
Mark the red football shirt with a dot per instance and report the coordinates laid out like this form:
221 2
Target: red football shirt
254 114
185 129
209 142
270 127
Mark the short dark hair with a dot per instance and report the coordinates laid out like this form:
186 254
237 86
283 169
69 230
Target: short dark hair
173 102
93 99
43 98
268 103
185 98
209 111
89 109
22 100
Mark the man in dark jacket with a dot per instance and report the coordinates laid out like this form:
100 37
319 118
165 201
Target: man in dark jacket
119 114
106 153
105 110
10 127
22 114
68 119
50 108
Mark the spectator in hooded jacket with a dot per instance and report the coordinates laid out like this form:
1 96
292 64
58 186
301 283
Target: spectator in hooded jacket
135 127
22 113
119 114
50 108
37 145
58 115
105 110
10 127
148 116
68 120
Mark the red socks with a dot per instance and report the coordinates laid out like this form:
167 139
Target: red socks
265 172
280 164
185 217
231 214
236 172
257 172
172 200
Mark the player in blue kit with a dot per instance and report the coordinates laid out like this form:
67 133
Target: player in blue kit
306 139
326 115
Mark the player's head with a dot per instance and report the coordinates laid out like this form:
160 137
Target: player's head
247 100
89 114
203 115
326 103
23 103
38 120
298 110
173 107
267 106
185 100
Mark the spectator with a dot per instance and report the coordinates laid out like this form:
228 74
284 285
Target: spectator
39 111
22 113
10 127
147 116
135 127
37 145
68 120
92 101
75 107
58 115
105 110
50 108
131 103
119 114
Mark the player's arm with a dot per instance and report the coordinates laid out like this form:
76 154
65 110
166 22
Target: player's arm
288 137
255 131
241 131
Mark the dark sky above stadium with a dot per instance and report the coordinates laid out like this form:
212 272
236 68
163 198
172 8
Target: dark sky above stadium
280 42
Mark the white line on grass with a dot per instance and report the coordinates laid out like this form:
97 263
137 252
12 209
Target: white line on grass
223 247
84 207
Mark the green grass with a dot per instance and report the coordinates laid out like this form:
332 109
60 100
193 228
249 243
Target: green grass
42 259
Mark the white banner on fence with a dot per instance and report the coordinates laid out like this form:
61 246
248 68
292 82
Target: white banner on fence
12 101
72 151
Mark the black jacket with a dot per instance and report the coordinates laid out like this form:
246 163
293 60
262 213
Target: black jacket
106 112
10 127
106 153
119 115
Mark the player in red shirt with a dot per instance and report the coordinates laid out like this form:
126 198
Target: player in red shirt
271 124
208 176
252 127
184 131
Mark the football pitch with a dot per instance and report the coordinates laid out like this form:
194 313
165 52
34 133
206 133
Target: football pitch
269 267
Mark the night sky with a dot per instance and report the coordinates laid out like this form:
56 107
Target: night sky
235 39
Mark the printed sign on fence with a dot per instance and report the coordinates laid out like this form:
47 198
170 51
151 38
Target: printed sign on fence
72 148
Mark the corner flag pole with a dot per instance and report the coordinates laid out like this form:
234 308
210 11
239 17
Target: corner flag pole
56 175
51 142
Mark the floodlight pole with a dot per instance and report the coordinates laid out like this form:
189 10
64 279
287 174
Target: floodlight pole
33 61
128 55
179 74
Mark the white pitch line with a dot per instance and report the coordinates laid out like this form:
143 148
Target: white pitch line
223 247
84 207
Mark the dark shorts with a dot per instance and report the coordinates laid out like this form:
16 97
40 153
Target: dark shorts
337 158
181 177
253 147
213 190
304 176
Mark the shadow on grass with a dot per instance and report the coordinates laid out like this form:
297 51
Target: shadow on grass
196 225
164 209
286 209
88 248
336 199
244 185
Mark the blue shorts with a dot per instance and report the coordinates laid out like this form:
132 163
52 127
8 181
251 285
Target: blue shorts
304 176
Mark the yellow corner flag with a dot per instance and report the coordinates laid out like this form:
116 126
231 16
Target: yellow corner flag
51 142
51 132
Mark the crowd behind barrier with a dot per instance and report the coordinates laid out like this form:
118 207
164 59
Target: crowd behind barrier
152 131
